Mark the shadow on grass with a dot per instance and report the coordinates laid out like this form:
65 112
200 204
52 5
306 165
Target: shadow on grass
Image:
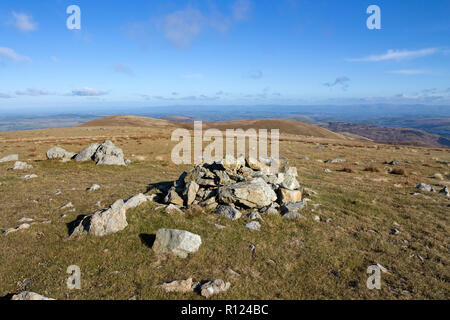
160 186
7 297
73 224
147 239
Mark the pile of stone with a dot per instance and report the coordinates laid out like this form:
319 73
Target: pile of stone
240 183
105 153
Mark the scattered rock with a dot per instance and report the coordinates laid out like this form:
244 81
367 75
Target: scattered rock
327 170
254 225
445 191
67 206
336 160
173 209
393 163
182 286
291 215
94 187
289 196
11 157
103 222
23 226
177 242
30 176
18 165
27 295
438 176
229 212
214 287
425 187
395 231
254 216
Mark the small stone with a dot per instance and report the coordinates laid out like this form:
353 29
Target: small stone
27 295
395 231
291 215
94 187
229 212
327 171
425 187
219 226
214 287
18 165
317 218
254 216
336 160
254 225
182 286
67 206
173 209
30 176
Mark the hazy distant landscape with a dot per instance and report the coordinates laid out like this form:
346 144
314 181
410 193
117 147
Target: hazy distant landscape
413 125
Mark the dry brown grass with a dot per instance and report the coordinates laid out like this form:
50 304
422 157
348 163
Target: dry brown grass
372 168
301 259
398 171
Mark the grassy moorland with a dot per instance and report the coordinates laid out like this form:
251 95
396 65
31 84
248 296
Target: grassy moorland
358 203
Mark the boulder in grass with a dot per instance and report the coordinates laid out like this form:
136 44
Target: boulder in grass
87 154
11 157
19 165
59 153
103 222
108 154
178 242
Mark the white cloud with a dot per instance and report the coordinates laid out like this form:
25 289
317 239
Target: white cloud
32 92
23 22
181 27
88 92
408 71
398 55
12 55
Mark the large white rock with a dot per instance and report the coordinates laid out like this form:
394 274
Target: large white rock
255 193
87 153
135 201
108 154
59 153
103 222
177 242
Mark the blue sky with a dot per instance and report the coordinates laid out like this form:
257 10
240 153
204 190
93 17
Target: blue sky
236 52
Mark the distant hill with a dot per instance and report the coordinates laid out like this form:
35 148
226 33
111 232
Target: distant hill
392 135
285 126
127 121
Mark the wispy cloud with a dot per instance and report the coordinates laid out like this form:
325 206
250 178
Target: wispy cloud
4 95
340 81
23 22
183 26
409 71
88 92
33 92
10 54
241 9
255 74
398 55
120 68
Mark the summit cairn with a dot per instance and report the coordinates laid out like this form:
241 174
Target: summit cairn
234 184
